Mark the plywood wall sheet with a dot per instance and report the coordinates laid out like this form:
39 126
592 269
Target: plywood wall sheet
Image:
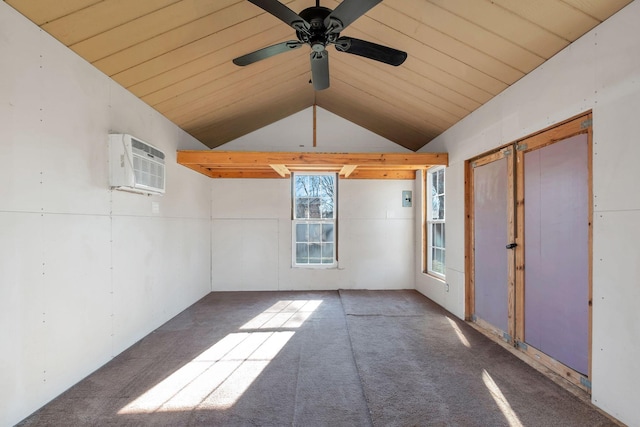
43 12
600 10
490 239
384 125
219 133
221 92
228 105
382 76
405 104
210 69
100 17
556 232
146 27
465 31
553 15
233 23
506 24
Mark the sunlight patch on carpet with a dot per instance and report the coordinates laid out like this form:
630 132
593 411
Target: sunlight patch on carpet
501 401
219 376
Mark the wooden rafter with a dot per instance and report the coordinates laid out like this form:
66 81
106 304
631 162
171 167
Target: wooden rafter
253 164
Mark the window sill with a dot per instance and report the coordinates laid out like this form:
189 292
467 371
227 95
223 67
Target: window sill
442 279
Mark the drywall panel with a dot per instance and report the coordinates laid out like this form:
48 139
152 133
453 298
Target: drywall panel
76 270
251 198
454 212
374 199
245 254
74 167
295 133
22 327
20 131
160 267
616 151
616 328
378 253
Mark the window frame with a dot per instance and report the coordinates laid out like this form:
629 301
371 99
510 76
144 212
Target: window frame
429 222
309 221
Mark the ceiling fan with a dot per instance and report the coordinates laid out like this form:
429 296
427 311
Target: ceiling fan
318 27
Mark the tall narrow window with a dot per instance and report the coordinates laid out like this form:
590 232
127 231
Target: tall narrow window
314 219
435 222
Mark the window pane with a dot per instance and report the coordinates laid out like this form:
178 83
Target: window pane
327 253
314 207
437 262
301 186
301 207
440 186
314 232
315 253
441 207
302 253
327 232
302 233
435 206
327 207
436 235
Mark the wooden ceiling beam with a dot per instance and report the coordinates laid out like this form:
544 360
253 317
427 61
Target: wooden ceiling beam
206 158
253 164
282 170
347 170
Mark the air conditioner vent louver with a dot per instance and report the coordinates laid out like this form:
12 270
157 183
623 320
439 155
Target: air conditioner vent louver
135 165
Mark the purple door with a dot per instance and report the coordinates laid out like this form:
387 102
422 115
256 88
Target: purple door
490 188
556 251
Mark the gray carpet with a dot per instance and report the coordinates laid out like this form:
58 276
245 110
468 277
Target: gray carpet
348 358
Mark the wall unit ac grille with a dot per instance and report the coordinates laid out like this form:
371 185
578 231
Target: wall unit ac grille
135 165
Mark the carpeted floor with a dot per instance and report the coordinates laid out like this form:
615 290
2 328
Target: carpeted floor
348 358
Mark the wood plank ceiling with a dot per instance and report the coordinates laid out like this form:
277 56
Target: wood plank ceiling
176 56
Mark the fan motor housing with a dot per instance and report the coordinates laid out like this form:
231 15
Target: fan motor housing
317 37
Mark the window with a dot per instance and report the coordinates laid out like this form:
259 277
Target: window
314 219
435 222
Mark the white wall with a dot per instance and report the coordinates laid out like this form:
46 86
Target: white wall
600 71
251 233
84 271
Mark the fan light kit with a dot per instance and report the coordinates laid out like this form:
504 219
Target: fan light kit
318 27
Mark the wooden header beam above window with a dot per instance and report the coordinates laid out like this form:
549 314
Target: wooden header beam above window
254 164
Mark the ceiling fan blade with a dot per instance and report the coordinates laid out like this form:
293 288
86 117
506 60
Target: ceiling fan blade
347 12
267 52
370 50
320 69
283 13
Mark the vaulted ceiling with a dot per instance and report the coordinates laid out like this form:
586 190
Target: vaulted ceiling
176 56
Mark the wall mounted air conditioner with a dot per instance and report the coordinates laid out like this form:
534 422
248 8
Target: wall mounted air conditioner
135 165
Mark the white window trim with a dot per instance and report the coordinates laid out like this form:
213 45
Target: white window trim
429 222
333 221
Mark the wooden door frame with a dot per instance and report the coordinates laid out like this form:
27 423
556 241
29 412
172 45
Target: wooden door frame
575 126
506 153
580 124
